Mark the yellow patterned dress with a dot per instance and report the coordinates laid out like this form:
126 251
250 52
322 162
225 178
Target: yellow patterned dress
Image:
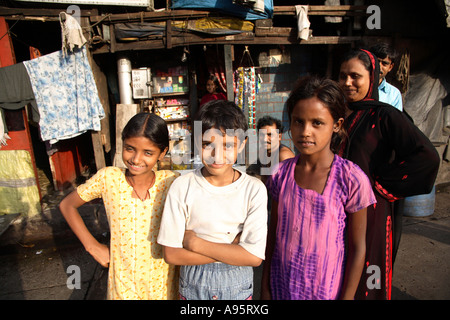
137 269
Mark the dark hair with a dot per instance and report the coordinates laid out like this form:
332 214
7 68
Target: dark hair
383 50
329 93
216 82
223 115
150 126
361 55
268 121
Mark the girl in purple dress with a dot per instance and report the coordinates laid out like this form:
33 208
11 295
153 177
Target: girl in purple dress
316 241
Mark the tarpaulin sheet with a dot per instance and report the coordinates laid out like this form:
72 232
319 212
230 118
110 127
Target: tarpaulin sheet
423 102
138 30
428 99
214 26
226 6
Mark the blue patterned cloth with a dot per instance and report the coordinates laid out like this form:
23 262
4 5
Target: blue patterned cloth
66 94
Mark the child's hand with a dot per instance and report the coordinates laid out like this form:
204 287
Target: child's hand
188 240
100 253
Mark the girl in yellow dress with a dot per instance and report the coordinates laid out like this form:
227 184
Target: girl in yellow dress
134 200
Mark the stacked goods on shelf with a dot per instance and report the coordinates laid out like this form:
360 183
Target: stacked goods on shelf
174 80
172 108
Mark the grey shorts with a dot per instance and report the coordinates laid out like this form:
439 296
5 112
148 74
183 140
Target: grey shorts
216 281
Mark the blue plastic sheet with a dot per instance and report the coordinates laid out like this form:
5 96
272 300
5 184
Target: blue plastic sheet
227 7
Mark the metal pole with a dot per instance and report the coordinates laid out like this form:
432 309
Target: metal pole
124 75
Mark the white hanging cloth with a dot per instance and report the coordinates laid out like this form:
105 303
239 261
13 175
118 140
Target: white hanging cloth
71 33
302 21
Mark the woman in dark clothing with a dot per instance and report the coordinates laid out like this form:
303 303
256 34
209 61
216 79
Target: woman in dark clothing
398 158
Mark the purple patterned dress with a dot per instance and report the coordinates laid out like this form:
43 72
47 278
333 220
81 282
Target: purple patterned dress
309 255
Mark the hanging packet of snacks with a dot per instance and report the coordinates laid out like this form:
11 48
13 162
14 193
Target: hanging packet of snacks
250 93
246 88
245 94
239 88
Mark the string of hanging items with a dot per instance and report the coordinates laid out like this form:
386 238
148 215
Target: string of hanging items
246 87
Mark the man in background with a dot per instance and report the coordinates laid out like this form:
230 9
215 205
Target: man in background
269 145
386 92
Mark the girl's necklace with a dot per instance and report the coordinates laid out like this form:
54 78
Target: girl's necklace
130 181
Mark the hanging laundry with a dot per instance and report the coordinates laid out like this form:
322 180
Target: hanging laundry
71 33
303 23
66 94
3 131
15 93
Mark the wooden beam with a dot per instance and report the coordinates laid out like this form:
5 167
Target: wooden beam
178 39
51 14
112 33
228 54
17 13
337 13
249 40
169 34
275 31
331 40
153 16
103 96
323 10
97 146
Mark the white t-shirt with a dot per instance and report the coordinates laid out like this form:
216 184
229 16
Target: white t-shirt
216 214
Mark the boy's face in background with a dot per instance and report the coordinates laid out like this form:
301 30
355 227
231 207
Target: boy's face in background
386 66
220 151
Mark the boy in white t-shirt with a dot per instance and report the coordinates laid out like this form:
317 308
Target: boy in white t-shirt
215 219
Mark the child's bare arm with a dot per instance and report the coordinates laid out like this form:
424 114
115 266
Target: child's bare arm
183 257
69 209
357 223
232 254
